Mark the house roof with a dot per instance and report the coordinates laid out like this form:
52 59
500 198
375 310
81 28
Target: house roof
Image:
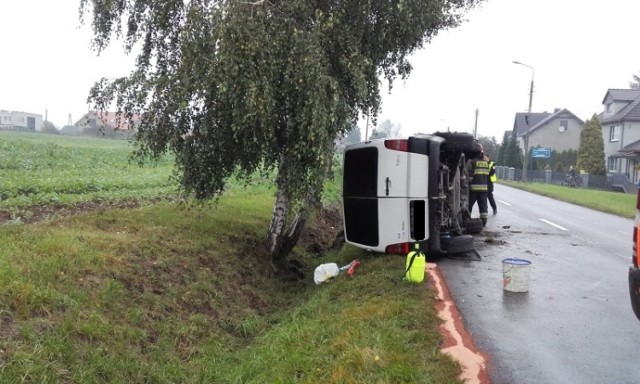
520 125
538 120
629 150
631 112
621 94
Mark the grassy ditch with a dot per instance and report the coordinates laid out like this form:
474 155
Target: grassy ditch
164 294
175 293
621 204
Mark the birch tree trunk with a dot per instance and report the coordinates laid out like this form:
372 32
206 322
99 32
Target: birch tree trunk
280 242
274 235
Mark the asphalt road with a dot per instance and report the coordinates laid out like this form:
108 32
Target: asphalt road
575 324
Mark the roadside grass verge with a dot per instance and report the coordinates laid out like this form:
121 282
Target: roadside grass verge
621 204
165 293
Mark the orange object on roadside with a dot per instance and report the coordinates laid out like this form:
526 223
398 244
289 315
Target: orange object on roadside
638 244
352 267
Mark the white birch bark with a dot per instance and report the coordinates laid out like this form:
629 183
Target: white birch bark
278 219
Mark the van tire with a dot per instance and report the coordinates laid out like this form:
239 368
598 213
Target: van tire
473 226
458 142
457 244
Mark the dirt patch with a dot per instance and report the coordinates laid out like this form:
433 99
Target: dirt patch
8 330
323 232
38 213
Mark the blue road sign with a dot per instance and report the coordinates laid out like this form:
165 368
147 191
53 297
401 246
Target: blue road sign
541 152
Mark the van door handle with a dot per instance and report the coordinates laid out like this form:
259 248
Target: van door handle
387 183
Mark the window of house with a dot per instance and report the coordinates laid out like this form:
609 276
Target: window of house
609 107
614 133
613 164
564 124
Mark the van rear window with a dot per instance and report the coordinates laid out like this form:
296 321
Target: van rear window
361 220
360 172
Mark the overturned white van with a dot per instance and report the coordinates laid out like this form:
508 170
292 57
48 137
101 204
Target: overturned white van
402 191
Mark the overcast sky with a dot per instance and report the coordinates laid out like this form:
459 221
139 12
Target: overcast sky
578 51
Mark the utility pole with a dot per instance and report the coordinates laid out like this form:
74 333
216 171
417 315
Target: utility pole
525 135
475 126
366 129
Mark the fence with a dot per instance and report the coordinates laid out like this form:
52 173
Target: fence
613 182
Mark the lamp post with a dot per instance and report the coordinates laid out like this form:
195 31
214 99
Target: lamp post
525 135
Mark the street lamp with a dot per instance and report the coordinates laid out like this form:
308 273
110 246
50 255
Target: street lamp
525 135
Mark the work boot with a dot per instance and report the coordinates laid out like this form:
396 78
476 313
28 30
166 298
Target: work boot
484 222
495 211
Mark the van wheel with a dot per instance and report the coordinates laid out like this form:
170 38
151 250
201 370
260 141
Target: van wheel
473 226
458 142
457 244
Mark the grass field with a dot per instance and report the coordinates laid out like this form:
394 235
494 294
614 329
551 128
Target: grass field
621 204
63 170
174 293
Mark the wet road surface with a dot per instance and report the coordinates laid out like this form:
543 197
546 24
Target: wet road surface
575 324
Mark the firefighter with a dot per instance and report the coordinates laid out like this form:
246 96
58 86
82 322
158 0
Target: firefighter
479 186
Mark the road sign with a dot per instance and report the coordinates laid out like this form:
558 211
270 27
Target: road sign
541 152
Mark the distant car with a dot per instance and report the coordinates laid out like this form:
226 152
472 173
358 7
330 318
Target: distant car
634 269
398 192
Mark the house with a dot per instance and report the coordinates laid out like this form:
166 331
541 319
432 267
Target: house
620 123
108 124
559 130
20 121
106 120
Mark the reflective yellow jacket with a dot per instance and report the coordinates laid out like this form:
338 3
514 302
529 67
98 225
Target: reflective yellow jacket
480 175
492 172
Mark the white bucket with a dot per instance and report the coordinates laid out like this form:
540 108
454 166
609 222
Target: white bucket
515 273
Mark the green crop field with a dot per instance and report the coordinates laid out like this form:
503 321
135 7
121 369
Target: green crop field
62 170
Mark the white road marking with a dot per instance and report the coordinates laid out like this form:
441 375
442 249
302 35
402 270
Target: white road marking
505 203
554 225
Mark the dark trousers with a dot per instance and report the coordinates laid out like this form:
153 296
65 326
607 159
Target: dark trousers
481 198
492 201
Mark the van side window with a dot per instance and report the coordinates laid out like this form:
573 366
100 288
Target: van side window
418 219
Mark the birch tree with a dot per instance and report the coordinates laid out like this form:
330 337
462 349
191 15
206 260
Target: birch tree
236 87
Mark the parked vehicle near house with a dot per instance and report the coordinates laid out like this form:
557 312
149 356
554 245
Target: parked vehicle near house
402 191
634 269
